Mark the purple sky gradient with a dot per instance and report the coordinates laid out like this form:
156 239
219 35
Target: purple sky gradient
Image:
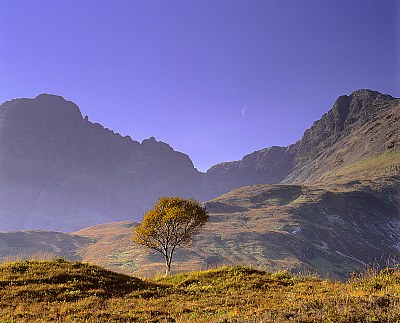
183 70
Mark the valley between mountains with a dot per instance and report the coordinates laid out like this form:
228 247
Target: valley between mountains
328 204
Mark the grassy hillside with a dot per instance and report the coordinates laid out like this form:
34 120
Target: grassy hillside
17 245
331 229
60 291
383 165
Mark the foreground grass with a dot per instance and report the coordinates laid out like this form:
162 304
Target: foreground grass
61 291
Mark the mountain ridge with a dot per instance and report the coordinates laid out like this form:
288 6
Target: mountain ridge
52 160
333 210
294 163
60 171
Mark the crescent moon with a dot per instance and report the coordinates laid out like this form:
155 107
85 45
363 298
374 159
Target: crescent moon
244 110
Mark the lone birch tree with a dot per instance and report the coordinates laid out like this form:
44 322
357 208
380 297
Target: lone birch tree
172 222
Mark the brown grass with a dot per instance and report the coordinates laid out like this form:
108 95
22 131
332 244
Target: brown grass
61 291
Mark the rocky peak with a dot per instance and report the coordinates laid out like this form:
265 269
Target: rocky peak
366 96
152 145
43 102
52 99
46 110
365 104
61 171
323 147
361 106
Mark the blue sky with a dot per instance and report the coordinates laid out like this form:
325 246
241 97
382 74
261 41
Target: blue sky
183 71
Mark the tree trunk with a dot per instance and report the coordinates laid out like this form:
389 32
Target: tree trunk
168 270
168 259
168 264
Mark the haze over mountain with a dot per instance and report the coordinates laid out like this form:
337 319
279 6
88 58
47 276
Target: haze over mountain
60 171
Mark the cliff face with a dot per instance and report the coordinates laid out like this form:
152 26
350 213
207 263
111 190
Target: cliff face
363 125
60 171
359 127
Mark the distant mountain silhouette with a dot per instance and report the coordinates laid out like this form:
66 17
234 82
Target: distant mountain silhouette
60 171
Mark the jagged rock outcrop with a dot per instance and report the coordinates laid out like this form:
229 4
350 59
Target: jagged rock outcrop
60 171
359 127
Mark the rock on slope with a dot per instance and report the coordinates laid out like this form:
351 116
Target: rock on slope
59 171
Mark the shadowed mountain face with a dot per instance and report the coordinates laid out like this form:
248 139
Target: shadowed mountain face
60 171
363 127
